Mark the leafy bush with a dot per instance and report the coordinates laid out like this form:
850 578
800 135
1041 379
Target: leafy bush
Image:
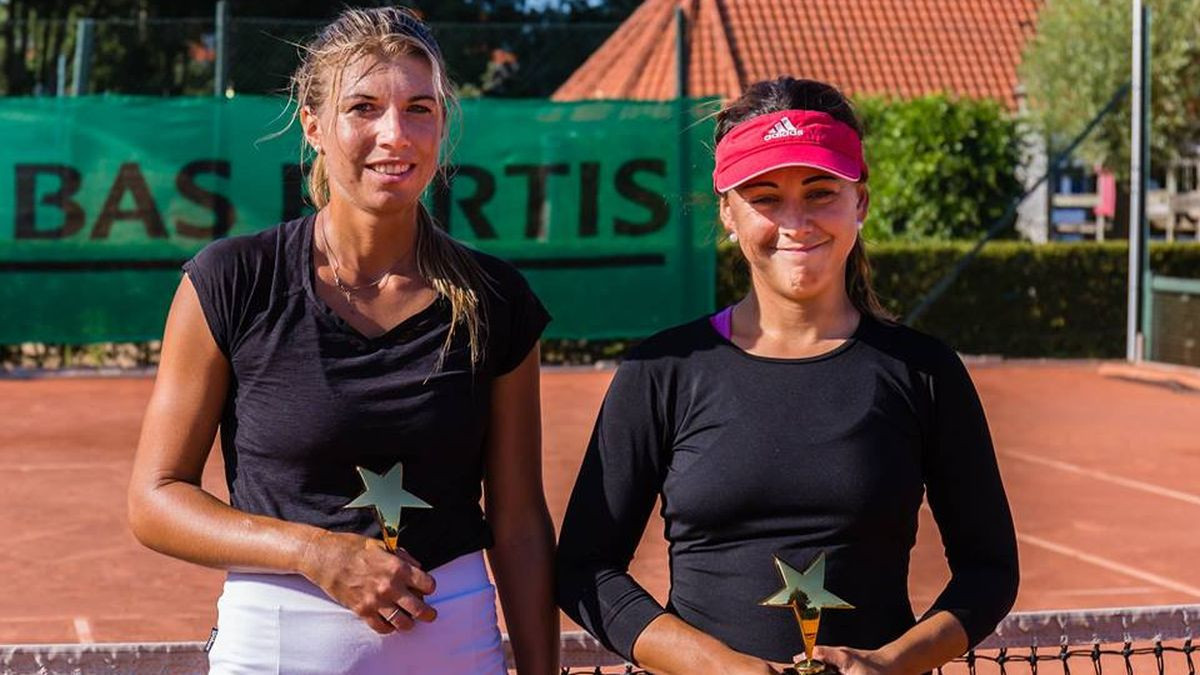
940 167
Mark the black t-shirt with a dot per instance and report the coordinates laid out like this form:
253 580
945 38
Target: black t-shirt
310 398
754 457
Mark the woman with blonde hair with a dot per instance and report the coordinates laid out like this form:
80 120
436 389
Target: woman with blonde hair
800 423
359 336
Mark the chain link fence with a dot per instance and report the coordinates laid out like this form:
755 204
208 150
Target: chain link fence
157 57
179 57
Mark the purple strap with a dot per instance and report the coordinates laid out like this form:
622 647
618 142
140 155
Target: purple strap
722 322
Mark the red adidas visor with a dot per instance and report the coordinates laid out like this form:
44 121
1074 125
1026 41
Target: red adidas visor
787 138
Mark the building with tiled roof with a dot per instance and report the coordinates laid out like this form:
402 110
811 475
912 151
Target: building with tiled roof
898 48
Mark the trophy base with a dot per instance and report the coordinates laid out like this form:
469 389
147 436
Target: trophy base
811 667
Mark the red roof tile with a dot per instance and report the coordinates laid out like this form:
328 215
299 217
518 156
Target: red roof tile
900 48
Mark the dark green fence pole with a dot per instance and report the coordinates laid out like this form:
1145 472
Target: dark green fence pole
681 63
684 156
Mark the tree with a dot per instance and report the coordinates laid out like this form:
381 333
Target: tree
1081 56
33 35
941 167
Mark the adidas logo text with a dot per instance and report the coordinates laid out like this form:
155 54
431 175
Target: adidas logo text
783 127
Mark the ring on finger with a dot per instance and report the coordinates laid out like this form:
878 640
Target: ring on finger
392 616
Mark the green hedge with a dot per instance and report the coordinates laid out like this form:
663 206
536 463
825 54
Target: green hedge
1016 299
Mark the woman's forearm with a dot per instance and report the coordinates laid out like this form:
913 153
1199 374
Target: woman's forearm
927 645
182 520
523 564
670 646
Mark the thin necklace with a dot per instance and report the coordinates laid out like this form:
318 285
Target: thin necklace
346 290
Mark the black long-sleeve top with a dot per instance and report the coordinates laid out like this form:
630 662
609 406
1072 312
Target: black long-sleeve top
755 457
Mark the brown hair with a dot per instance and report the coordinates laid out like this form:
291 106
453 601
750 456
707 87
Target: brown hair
388 33
789 93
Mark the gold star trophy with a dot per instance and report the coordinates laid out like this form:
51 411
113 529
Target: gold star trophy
805 594
386 494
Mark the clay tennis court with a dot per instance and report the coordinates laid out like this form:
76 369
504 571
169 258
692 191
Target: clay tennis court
1102 474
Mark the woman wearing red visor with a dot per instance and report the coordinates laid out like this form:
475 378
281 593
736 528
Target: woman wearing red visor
799 422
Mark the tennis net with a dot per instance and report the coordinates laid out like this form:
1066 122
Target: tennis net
1133 640
1130 640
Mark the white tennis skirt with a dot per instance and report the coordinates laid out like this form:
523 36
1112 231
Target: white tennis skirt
282 623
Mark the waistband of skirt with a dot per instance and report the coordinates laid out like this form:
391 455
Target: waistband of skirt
464 575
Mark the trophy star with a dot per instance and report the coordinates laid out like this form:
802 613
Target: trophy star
387 494
810 586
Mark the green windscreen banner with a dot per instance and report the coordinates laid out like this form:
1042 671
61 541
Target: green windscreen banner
606 207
